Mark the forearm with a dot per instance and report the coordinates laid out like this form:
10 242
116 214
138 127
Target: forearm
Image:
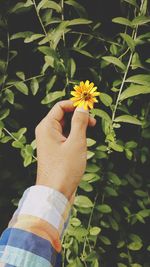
33 236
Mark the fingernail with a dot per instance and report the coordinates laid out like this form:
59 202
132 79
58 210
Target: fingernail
81 109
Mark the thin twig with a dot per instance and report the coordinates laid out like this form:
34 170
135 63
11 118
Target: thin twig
62 18
89 223
39 18
26 80
14 138
134 35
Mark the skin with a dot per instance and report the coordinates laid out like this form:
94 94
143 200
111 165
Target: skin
62 159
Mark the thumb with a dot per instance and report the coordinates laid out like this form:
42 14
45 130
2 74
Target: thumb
79 123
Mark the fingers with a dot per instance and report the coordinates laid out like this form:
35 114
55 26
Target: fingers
79 123
54 120
59 109
92 121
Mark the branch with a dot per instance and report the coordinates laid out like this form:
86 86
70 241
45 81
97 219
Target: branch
14 138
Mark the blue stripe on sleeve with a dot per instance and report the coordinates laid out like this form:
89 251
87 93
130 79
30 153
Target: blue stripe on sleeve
27 241
20 258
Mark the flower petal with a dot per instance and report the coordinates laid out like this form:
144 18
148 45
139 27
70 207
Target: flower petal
93 89
87 83
90 104
75 93
75 98
81 83
95 93
95 100
86 105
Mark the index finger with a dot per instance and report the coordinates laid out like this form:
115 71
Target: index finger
59 109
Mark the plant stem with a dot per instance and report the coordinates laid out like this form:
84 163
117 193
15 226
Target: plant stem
89 224
121 88
96 37
26 80
39 18
134 35
14 138
62 17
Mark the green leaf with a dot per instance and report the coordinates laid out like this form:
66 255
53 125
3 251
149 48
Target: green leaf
140 193
83 202
134 90
144 213
101 113
113 223
90 154
51 97
21 87
78 7
135 246
104 208
75 222
79 21
34 86
136 265
33 38
116 147
4 113
90 142
123 21
116 61
133 3
83 52
121 265
49 4
111 191
88 177
71 67
21 75
128 119
23 35
85 186
9 96
48 51
114 178
95 230
105 240
92 168
129 40
17 144
140 20
143 79
106 99
20 6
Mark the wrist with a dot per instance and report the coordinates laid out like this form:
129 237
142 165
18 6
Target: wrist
56 185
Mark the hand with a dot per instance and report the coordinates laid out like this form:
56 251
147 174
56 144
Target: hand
62 160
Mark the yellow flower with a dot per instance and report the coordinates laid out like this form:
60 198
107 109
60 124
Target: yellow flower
84 95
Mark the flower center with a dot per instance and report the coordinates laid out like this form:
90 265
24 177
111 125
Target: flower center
86 95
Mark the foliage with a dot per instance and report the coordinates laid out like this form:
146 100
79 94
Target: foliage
48 46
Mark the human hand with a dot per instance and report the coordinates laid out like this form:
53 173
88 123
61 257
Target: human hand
62 160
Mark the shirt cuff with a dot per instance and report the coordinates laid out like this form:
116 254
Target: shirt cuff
47 204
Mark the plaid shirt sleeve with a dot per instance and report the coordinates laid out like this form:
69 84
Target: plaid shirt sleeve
33 236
